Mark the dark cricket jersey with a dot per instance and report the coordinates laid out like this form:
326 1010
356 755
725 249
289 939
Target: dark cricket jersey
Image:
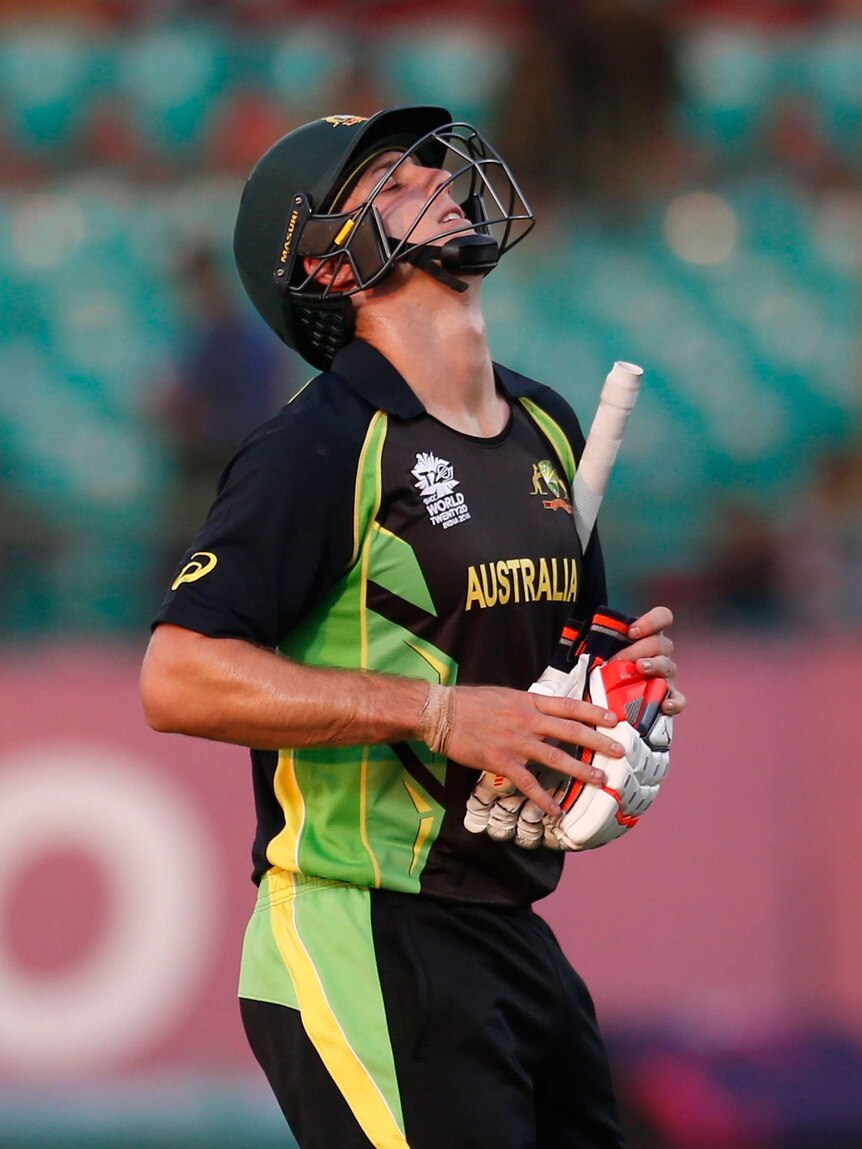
355 530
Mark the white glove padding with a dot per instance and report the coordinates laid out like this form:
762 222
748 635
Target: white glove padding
531 830
483 799
593 816
495 805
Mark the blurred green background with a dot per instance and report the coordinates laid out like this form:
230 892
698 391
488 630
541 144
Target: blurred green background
696 171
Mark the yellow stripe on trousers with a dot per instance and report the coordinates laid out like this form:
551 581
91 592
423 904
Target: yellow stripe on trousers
344 1066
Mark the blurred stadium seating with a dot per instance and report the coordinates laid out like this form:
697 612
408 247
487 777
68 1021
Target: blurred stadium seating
737 289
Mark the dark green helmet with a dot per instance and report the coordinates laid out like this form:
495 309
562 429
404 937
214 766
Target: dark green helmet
289 213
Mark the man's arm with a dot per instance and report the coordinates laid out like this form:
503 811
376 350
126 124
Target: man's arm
232 691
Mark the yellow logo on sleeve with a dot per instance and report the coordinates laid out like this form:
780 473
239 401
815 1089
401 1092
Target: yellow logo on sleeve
200 564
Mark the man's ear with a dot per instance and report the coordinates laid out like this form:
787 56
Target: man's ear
336 274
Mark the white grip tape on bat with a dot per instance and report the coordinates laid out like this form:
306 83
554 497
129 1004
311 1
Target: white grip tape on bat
618 397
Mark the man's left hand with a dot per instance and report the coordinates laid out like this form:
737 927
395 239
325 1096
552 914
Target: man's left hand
652 652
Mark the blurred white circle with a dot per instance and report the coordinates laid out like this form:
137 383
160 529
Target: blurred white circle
46 230
701 228
166 66
130 990
43 65
724 67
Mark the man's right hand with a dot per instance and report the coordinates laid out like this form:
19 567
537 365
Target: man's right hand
503 731
496 806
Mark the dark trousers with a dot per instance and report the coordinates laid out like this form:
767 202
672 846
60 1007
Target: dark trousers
493 1034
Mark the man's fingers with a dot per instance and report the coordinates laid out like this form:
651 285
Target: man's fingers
675 702
574 710
654 621
558 759
526 729
578 734
654 646
661 667
531 788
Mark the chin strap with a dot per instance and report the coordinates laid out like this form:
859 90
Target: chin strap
463 255
428 259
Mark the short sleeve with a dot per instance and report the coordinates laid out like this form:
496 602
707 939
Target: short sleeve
279 533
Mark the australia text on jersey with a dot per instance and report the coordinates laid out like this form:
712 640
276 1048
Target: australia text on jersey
521 580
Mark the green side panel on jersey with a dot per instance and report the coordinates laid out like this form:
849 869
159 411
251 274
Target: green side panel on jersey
369 480
371 823
553 431
393 565
333 842
342 631
333 634
364 819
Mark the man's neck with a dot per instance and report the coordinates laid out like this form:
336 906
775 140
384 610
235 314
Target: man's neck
439 345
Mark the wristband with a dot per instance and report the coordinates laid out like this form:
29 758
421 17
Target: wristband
434 727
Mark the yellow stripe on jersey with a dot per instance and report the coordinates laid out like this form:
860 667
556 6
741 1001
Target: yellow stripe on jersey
426 822
443 670
555 433
363 662
289 795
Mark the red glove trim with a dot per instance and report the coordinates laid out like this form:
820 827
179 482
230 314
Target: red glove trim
623 819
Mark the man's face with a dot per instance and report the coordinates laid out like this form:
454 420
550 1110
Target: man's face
404 195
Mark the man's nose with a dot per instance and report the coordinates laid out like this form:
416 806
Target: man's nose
433 178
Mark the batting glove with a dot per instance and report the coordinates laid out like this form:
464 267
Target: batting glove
495 805
593 816
582 647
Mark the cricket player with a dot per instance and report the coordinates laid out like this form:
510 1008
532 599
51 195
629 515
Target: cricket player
385 570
